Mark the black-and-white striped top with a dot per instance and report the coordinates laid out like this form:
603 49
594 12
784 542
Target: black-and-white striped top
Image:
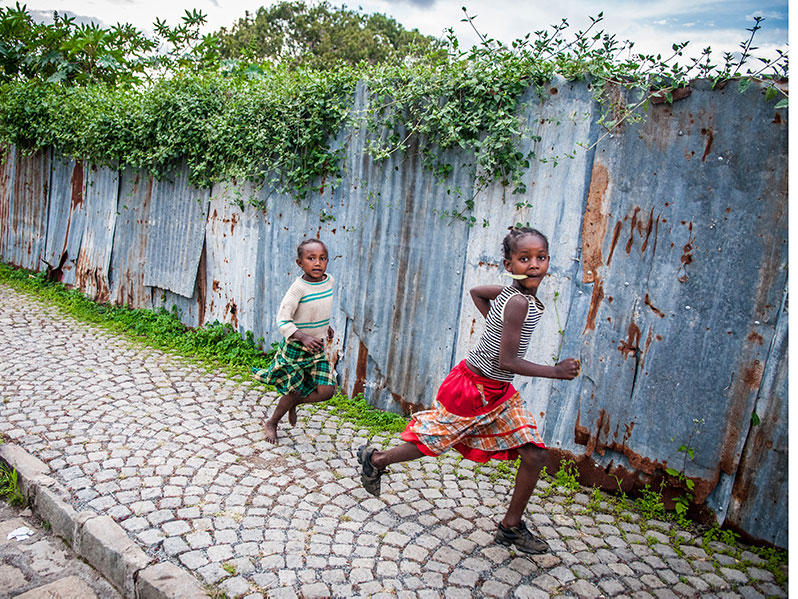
485 355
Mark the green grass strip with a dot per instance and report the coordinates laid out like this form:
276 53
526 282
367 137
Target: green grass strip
216 346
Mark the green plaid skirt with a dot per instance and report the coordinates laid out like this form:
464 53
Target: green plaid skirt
295 368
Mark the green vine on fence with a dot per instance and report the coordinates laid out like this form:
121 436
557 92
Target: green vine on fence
281 124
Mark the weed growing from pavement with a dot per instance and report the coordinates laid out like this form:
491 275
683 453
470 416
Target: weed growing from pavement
9 485
214 345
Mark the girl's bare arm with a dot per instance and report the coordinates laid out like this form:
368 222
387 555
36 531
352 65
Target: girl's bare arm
514 315
483 295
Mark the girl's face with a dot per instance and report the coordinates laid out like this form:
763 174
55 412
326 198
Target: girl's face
313 262
530 258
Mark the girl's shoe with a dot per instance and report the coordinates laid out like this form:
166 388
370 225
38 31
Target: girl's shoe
523 540
369 475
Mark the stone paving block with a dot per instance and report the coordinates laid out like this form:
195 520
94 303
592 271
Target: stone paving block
167 581
69 587
105 546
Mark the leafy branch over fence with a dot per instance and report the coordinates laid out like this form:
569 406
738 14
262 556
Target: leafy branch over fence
239 119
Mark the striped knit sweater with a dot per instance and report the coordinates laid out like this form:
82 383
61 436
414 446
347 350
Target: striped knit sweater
306 307
485 355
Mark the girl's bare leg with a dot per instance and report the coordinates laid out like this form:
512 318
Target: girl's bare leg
287 402
533 458
401 453
321 393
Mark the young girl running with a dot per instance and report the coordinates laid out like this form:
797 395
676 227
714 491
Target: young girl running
477 411
300 370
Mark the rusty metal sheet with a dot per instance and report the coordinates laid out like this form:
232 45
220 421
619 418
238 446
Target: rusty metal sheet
25 230
7 172
101 194
678 326
66 220
401 278
176 233
759 497
130 241
236 285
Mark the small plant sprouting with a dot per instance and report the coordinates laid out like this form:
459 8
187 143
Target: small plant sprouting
560 330
9 485
682 503
566 477
229 568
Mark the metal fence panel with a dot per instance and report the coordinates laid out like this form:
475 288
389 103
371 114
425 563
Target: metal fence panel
678 328
66 220
759 499
176 233
400 287
130 241
7 173
24 231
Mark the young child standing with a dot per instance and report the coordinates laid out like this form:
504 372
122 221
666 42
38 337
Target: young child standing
477 411
300 370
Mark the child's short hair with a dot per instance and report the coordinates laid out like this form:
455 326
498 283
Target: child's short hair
511 239
301 247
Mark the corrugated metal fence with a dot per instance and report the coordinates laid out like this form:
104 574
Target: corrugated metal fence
668 277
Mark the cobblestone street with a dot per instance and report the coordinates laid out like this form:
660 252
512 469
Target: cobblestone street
177 456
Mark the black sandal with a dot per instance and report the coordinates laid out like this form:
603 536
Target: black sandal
369 475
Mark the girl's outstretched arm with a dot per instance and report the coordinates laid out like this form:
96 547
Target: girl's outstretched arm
514 316
483 295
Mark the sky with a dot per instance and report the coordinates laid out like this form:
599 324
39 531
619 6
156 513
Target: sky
653 26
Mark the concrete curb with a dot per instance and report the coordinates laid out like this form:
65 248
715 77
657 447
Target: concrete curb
97 538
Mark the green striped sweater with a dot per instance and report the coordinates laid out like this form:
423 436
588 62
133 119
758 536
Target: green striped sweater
306 307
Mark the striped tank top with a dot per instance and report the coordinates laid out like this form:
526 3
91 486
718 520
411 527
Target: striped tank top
485 355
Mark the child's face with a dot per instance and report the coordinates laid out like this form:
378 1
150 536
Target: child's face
313 262
530 258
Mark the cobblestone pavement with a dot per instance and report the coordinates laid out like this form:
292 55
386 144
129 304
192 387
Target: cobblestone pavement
42 565
177 457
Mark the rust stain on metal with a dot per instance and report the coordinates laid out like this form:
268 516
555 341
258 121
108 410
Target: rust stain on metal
77 185
599 443
649 228
654 309
687 255
595 302
777 120
755 337
741 390
594 223
407 407
632 226
232 310
708 147
91 278
661 96
360 370
630 347
752 375
616 233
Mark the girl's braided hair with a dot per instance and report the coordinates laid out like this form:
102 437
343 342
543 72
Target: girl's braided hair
511 239
301 247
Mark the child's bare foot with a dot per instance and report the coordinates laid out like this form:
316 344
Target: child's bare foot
271 432
292 416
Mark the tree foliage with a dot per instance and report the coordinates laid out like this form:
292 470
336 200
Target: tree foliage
320 35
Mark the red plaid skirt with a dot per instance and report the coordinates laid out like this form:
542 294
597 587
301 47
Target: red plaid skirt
481 418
